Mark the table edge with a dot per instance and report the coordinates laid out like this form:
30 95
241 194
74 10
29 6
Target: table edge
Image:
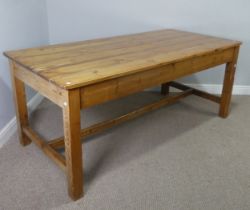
81 85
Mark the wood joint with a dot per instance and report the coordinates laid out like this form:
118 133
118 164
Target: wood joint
94 129
196 92
45 147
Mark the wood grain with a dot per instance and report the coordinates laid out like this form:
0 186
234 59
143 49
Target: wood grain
83 63
228 85
20 105
120 87
47 89
73 147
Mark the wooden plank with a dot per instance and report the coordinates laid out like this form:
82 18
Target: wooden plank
228 85
88 52
99 55
73 149
120 87
47 89
47 149
59 142
100 45
20 105
88 73
57 48
76 65
197 92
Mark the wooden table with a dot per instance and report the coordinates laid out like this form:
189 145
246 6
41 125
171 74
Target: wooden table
82 74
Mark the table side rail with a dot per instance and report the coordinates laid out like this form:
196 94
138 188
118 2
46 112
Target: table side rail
120 87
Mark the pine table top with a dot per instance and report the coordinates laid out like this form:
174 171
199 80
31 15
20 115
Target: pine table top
78 64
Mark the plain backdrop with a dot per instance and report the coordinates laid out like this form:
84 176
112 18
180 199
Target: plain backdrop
35 22
81 19
22 24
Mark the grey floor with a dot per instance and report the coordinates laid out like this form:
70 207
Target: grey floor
182 156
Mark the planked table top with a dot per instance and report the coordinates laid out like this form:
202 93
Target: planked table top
78 64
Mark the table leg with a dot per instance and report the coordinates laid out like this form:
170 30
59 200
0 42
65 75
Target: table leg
228 85
20 105
73 146
165 89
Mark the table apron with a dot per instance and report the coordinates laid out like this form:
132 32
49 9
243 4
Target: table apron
123 86
44 87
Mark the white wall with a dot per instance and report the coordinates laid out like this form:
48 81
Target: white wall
22 24
84 19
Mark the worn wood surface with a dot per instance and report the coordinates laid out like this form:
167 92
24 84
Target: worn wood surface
20 105
73 146
228 85
88 62
123 86
47 89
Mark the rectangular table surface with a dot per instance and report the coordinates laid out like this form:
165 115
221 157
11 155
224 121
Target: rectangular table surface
79 64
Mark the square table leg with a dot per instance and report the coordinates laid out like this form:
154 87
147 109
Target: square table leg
73 146
228 85
165 88
20 105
